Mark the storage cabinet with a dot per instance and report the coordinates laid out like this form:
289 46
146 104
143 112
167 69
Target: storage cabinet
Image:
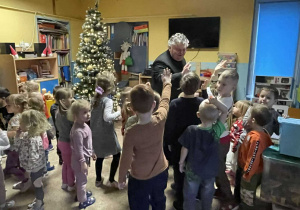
9 68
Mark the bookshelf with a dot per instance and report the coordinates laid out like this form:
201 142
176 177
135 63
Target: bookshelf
10 67
56 34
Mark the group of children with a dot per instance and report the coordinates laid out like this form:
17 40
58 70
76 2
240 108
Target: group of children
204 146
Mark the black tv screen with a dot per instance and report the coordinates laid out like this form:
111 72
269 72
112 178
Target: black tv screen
202 32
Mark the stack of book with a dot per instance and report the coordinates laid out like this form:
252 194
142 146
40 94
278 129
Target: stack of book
140 35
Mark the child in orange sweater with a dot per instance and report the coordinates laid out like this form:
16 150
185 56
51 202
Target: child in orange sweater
250 155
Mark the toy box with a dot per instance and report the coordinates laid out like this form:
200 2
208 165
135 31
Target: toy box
280 181
289 136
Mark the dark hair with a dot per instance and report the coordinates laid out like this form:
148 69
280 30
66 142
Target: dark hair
55 89
272 90
4 92
190 83
142 98
261 114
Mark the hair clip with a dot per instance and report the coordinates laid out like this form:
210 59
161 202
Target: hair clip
99 90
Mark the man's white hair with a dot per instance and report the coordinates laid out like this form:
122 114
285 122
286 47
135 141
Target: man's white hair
178 38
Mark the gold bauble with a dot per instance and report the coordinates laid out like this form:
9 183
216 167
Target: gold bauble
86 39
118 95
99 41
90 67
79 75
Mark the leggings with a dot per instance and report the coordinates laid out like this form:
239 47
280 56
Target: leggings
36 178
113 167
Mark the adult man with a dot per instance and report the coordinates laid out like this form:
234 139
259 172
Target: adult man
173 59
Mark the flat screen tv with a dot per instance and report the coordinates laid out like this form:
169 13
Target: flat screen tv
202 32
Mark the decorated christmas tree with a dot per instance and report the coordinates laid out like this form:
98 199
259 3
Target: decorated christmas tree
93 56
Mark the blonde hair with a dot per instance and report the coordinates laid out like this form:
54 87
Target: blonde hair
62 93
208 112
19 100
243 105
106 81
76 107
36 102
32 86
230 74
35 121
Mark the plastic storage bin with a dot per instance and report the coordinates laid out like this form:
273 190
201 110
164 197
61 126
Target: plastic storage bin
289 143
280 181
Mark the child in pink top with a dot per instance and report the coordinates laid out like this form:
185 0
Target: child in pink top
82 149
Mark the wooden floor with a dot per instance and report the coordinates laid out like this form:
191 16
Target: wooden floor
56 198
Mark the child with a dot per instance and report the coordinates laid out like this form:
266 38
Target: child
64 99
4 144
31 150
181 115
36 102
33 88
268 96
126 111
200 145
226 83
53 111
143 148
16 104
250 160
81 145
105 141
134 119
4 116
238 111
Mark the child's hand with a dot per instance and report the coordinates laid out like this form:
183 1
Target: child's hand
186 68
181 167
212 100
234 148
94 156
148 83
121 185
285 116
84 168
220 65
166 76
205 84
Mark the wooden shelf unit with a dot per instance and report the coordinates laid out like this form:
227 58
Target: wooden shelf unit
9 68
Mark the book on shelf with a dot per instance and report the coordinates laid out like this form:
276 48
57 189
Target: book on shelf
140 39
140 27
63 58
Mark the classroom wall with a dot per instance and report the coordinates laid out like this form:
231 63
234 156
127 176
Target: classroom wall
18 25
235 33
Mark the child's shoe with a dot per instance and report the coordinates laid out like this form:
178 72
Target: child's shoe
18 185
99 183
64 186
89 201
70 189
112 184
49 167
7 205
38 205
31 204
50 147
88 194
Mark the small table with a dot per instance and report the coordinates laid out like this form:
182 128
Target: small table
281 182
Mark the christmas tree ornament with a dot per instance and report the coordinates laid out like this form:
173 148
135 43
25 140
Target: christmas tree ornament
79 75
90 67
